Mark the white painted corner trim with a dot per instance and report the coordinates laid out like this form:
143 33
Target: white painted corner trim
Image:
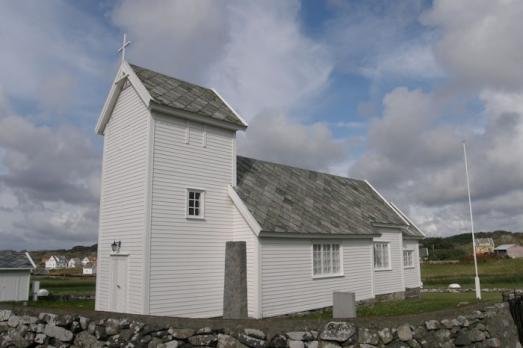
125 72
30 259
387 202
244 211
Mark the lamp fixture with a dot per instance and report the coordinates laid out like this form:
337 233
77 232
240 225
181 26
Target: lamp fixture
115 246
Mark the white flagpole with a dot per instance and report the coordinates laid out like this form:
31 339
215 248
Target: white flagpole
476 279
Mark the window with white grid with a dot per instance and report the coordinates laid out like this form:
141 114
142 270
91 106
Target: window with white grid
326 259
408 258
381 256
195 203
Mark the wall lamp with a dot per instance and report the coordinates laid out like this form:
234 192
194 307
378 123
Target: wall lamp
115 246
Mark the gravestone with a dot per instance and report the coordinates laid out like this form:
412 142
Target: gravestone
235 281
343 305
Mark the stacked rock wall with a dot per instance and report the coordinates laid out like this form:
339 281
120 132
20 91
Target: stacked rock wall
490 326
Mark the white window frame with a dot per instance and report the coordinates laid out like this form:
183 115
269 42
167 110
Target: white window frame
201 207
388 267
411 259
330 274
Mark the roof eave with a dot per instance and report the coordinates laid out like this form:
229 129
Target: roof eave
163 109
304 235
388 225
231 108
410 237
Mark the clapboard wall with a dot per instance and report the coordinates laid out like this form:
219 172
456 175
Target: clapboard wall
288 284
123 199
412 274
390 280
187 255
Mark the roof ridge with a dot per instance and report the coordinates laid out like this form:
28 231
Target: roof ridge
303 169
169 76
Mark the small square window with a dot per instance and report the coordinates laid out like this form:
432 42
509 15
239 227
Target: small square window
195 203
408 258
381 256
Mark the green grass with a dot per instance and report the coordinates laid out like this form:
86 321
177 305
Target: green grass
494 273
428 302
68 285
76 304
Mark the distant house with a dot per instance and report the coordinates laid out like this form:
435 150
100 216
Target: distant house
513 251
89 269
484 246
56 262
74 263
85 261
15 273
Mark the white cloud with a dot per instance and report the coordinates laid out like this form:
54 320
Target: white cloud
268 63
253 53
480 42
49 185
416 157
377 41
415 152
275 137
414 60
183 38
47 45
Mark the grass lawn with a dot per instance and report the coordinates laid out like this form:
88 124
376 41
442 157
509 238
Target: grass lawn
494 273
426 303
67 285
76 304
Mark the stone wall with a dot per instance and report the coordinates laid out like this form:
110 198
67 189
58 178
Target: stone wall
488 326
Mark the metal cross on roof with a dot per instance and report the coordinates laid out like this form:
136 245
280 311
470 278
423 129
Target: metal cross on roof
125 43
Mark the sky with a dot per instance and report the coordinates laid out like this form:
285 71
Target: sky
379 90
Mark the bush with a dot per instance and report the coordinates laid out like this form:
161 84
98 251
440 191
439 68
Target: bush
448 254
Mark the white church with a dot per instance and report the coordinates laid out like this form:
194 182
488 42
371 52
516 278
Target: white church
174 192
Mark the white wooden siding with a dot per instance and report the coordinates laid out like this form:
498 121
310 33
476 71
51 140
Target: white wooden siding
187 255
412 274
389 281
242 232
287 282
123 197
14 285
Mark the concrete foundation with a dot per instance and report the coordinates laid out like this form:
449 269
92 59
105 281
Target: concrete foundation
235 281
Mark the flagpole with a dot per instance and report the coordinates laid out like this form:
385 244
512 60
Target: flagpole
476 279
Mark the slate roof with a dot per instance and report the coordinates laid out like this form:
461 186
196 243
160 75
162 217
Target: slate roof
182 95
14 259
505 246
293 200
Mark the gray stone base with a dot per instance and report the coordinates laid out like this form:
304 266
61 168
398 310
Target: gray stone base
412 292
400 295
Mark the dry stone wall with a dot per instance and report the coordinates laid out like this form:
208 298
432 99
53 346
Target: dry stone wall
490 327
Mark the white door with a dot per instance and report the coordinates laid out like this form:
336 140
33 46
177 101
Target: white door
119 283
